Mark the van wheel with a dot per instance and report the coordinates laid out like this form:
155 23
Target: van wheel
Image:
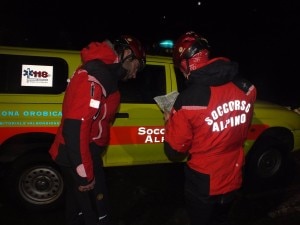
36 183
266 164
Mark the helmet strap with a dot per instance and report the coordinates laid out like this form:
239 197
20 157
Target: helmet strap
127 57
123 59
188 70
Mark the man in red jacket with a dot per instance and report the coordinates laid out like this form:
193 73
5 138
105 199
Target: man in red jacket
90 103
209 124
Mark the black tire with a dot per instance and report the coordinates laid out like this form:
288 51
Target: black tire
35 183
267 165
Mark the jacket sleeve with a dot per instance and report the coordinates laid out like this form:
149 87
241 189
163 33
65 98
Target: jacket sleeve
82 102
172 154
178 136
76 149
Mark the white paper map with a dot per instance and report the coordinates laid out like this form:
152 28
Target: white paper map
166 102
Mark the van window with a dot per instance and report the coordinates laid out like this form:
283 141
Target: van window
32 74
150 82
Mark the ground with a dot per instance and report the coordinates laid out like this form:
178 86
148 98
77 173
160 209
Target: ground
152 195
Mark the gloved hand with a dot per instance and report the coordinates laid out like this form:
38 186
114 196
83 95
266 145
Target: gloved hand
166 115
88 187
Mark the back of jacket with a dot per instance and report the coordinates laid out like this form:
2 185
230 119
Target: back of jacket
211 123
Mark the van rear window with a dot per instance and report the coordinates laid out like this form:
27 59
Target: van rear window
21 74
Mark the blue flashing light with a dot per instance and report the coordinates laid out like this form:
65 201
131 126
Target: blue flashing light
166 44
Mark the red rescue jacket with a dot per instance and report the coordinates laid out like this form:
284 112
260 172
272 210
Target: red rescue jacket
89 106
210 121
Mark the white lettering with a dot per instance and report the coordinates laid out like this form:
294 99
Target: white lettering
231 122
157 131
153 135
148 139
215 118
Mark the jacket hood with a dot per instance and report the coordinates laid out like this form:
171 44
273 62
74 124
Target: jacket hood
99 50
217 72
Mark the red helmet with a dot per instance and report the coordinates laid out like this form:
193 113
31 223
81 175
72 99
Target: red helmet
129 42
187 46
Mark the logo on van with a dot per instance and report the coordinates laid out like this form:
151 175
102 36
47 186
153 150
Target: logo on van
37 76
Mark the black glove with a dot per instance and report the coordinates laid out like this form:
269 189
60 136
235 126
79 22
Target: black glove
88 187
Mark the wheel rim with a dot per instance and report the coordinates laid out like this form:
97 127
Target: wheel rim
269 163
41 185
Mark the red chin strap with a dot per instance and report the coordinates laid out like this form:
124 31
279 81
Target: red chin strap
198 60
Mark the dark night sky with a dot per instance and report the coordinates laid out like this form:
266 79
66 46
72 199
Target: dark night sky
57 22
263 36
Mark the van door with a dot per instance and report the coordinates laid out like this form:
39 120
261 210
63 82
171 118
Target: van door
138 130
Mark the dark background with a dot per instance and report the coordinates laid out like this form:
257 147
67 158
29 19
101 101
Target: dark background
263 36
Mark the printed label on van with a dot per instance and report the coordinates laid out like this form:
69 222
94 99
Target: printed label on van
37 76
137 135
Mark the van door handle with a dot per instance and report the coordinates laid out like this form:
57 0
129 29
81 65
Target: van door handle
122 115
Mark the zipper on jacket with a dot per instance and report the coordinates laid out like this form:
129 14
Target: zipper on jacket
92 89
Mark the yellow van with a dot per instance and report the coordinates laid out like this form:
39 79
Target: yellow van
31 92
